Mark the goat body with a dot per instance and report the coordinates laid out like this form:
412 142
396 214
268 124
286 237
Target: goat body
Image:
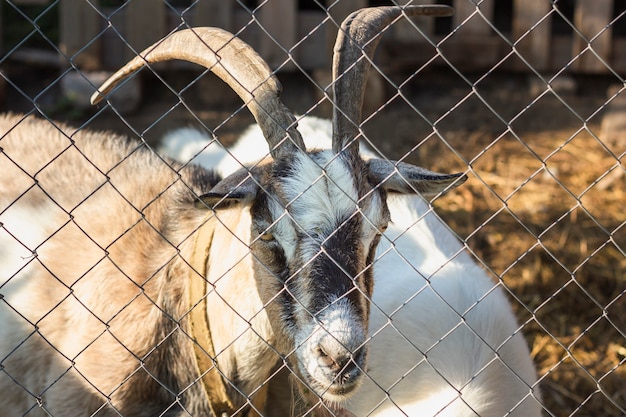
88 285
444 341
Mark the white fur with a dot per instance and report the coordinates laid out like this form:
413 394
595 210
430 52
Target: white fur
19 236
444 340
323 195
316 180
337 325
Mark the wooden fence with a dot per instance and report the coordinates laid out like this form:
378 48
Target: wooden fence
288 33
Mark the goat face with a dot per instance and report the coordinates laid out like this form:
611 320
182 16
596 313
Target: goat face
316 218
315 228
315 222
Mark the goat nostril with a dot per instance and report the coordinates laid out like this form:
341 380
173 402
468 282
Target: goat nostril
321 352
349 372
342 367
326 360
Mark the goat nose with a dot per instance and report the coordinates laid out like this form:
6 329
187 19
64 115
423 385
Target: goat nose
338 360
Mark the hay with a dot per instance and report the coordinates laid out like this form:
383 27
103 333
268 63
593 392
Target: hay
546 211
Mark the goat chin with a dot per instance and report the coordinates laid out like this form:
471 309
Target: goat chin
444 340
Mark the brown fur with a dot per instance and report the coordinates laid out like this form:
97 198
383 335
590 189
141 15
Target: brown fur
108 290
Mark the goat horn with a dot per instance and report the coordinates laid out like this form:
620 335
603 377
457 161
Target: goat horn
238 65
359 35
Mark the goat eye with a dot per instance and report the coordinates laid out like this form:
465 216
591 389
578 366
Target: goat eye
383 228
266 237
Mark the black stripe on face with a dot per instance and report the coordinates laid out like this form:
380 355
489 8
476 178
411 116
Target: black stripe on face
337 269
332 273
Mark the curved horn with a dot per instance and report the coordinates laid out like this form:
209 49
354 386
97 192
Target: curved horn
238 65
359 35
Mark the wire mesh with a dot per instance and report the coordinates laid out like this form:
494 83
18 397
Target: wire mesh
503 296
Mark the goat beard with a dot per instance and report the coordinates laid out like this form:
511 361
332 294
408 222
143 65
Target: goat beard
328 410
319 407
312 405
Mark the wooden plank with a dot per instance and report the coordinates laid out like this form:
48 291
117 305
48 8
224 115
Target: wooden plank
531 37
2 48
592 18
79 24
472 53
31 2
619 55
561 47
475 25
145 24
247 31
113 46
217 13
278 20
613 128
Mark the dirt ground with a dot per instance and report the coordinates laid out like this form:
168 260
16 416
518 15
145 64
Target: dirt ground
544 208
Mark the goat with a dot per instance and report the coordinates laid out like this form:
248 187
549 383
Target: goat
444 340
443 337
142 287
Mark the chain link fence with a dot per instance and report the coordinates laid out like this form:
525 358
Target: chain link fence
525 97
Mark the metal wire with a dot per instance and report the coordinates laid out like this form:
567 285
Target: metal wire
547 235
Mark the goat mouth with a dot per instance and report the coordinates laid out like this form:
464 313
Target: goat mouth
331 353
345 381
336 388
339 390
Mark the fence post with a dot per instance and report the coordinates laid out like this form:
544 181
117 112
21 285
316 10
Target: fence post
592 18
145 24
533 45
79 24
474 44
278 18
218 13
476 25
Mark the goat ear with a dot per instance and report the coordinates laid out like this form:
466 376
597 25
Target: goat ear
240 186
407 179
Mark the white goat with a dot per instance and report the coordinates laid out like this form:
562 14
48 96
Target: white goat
444 341
141 287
